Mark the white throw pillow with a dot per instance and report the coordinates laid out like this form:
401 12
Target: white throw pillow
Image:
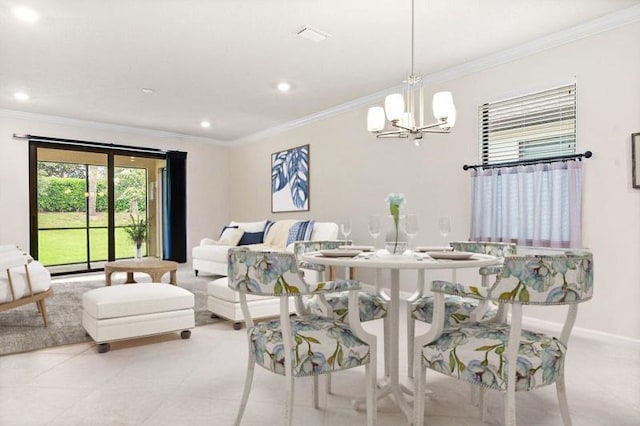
324 231
278 233
230 237
250 226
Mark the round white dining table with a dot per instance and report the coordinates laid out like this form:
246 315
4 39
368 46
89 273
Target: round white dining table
381 260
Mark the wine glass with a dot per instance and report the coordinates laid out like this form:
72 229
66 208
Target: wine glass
345 228
411 226
444 226
374 227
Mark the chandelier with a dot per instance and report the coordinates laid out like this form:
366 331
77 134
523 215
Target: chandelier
402 116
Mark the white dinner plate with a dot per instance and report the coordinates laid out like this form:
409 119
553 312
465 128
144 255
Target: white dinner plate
340 253
361 248
434 248
450 255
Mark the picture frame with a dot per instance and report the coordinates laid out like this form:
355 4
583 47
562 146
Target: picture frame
635 160
290 180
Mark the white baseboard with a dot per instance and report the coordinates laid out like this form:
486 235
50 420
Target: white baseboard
580 331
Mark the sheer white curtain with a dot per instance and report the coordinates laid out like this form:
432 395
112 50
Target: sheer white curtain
536 205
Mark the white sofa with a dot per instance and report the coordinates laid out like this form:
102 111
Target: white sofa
212 258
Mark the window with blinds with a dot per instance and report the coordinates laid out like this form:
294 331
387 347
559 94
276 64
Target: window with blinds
536 126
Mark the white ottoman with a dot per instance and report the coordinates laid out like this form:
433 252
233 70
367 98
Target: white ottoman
136 310
225 302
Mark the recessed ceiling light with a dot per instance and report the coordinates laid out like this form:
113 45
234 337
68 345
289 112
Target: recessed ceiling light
284 86
205 124
25 14
21 96
148 90
312 34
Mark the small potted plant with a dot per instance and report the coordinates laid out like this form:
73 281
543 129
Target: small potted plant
137 231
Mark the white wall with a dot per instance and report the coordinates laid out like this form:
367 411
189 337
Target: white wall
351 171
207 176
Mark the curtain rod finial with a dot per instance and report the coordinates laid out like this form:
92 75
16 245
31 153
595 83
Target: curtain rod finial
588 154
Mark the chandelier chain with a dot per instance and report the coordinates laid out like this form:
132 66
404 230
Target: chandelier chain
413 20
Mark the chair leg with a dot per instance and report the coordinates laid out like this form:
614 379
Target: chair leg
247 387
503 310
314 392
418 397
371 394
43 311
288 403
510 406
328 384
473 395
386 331
481 404
562 400
411 331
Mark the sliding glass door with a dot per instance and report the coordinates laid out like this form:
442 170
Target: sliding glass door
84 201
136 195
72 209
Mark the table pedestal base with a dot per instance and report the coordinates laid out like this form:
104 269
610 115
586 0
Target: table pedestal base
396 392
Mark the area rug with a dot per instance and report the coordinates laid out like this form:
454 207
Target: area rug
22 329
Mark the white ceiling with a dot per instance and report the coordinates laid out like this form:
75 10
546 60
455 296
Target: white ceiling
220 60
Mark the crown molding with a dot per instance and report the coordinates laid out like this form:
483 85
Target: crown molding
596 26
66 121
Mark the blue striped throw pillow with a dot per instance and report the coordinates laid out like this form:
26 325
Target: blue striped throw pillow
300 231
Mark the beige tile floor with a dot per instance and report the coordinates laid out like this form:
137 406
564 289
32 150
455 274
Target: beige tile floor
168 381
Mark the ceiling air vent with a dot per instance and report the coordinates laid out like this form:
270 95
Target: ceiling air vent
312 34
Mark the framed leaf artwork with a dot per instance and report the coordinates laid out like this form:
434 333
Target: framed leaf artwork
290 180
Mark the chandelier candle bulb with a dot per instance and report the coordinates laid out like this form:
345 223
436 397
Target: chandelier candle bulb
442 104
394 107
375 119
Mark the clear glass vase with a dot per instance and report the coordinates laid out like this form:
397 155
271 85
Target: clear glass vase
396 240
137 252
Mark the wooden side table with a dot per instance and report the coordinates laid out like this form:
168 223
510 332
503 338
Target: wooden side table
155 268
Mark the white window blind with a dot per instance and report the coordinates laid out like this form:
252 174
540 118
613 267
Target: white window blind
540 125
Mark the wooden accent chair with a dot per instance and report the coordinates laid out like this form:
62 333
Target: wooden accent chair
17 286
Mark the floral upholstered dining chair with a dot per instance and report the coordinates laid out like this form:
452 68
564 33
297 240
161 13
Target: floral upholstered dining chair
299 345
458 309
372 305
498 355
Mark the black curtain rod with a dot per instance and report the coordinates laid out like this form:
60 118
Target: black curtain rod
87 143
586 154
